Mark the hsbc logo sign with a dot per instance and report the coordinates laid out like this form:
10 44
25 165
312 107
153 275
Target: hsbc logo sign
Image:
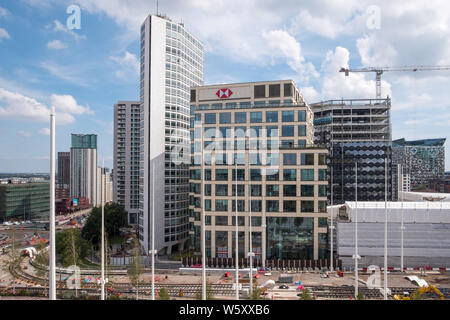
224 93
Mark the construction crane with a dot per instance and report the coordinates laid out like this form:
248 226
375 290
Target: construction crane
380 70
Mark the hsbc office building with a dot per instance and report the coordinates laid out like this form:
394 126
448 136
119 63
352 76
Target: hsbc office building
259 161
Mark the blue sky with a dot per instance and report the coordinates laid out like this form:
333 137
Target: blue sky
84 72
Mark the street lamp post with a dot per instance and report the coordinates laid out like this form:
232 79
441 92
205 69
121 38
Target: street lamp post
385 229
236 235
202 206
52 254
103 244
356 256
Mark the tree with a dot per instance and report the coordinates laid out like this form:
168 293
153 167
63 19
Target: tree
135 268
115 218
360 296
256 293
163 294
71 247
305 295
209 293
13 255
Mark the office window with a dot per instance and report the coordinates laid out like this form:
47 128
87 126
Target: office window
307 191
272 131
207 189
225 117
301 115
221 174
288 89
260 91
307 206
289 159
287 116
302 131
254 159
255 175
289 206
322 190
241 221
256 222
289 190
207 174
272 174
221 190
239 132
221 220
240 117
290 174
245 105
322 159
287 131
240 188
274 90
239 159
255 131
323 222
272 190
240 174
322 206
287 144
255 117
256 190
217 106
322 174
225 132
271 116
221 205
274 103
273 159
230 105
241 205
307 174
256 206
272 206
208 206
307 159
221 159
302 143
193 95
210 118
209 133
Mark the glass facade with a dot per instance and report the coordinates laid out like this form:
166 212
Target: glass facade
290 238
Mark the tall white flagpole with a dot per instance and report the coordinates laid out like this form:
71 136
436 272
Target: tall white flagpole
251 254
103 237
402 228
203 235
52 254
385 230
356 257
236 236
153 232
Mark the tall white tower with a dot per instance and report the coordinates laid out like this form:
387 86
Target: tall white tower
171 62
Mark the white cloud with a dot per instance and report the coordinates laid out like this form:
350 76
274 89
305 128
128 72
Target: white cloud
68 104
128 65
335 85
58 26
3 12
282 45
4 34
24 134
16 106
45 131
56 45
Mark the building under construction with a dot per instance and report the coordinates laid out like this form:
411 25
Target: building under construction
356 131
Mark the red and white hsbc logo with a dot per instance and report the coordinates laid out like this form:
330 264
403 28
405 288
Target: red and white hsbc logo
224 93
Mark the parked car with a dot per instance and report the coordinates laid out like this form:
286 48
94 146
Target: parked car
283 286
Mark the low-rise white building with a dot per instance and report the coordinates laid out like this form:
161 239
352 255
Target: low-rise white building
426 234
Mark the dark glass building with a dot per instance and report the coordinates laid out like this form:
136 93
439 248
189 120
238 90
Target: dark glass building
356 131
